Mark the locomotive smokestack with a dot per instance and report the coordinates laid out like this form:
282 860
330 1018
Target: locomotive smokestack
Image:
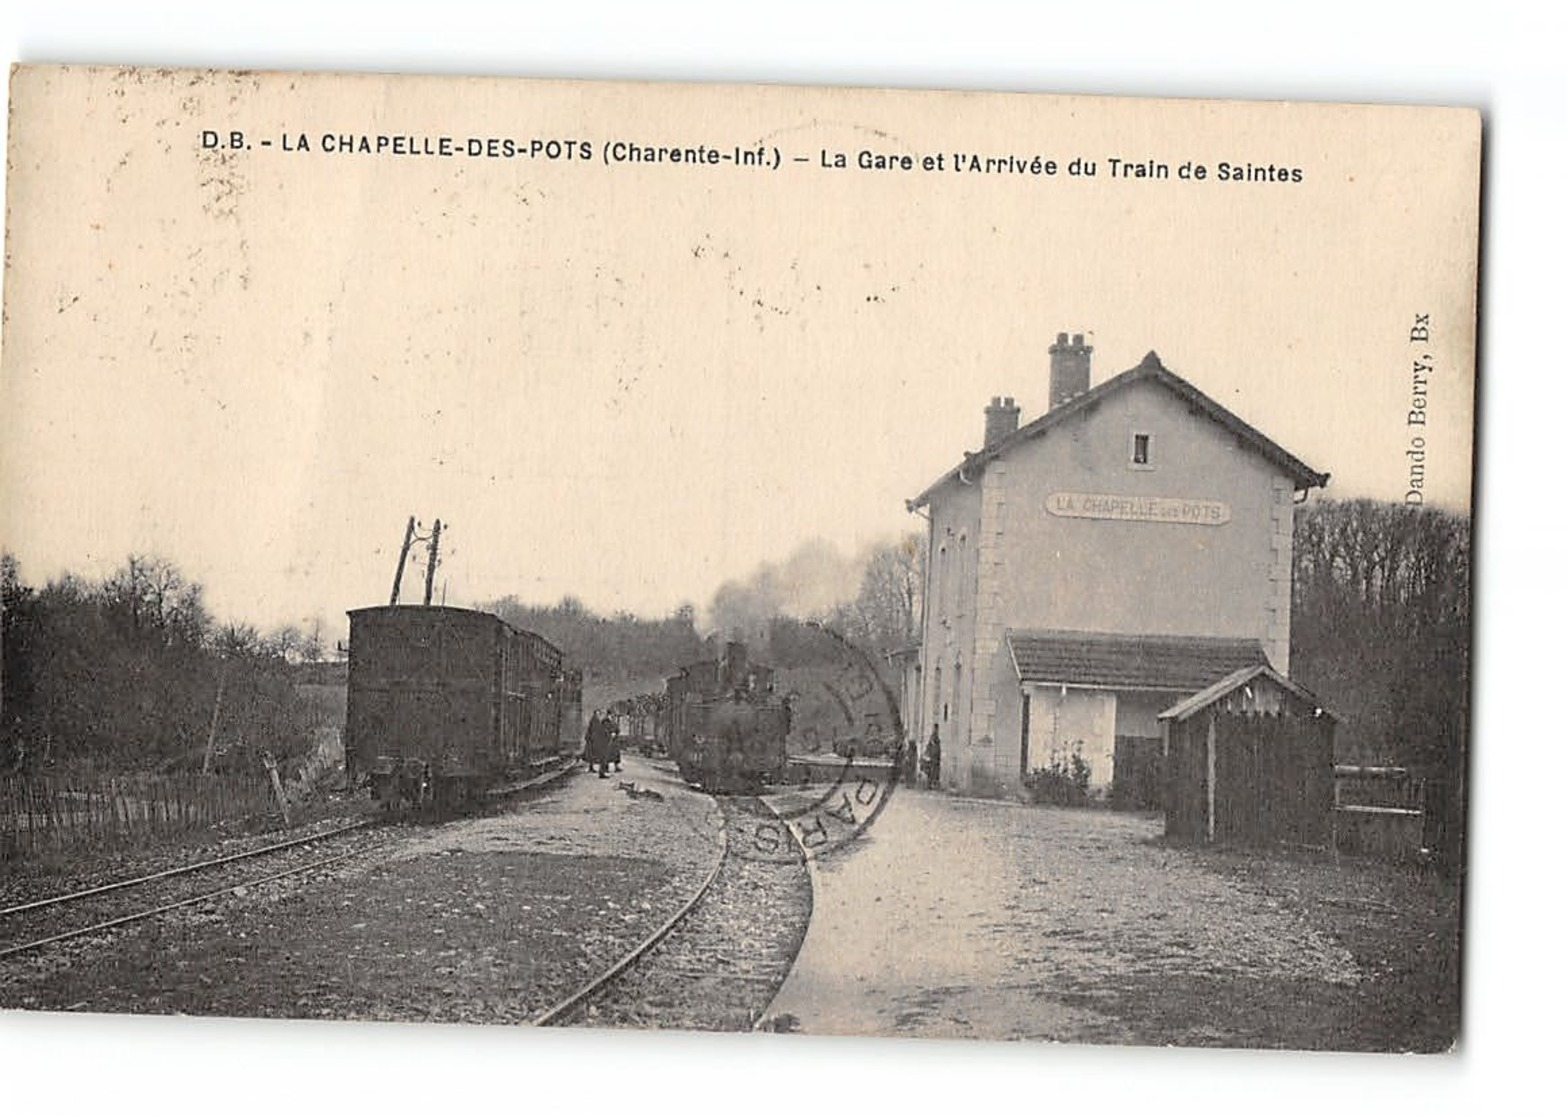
735 664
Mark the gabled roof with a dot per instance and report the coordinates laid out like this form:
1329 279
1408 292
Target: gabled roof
1111 661
1151 369
1186 707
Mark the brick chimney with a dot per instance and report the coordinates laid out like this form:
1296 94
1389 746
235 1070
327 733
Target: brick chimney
1068 368
1000 419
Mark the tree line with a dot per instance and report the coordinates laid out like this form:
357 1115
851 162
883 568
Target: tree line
612 649
133 673
1381 627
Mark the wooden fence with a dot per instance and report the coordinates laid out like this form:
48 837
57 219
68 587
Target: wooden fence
1378 812
41 813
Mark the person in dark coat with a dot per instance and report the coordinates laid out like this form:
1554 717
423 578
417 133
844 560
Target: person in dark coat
933 758
612 743
596 751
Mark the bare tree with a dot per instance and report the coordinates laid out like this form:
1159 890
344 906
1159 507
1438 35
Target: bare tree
150 595
286 642
884 614
313 647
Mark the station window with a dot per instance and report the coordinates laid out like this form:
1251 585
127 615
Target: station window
961 594
1142 450
941 582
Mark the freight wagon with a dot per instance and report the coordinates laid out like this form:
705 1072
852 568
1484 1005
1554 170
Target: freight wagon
444 703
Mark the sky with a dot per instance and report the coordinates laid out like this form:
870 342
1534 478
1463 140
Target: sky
1506 60
630 383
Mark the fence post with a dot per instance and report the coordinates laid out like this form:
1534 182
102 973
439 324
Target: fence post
13 811
277 786
28 795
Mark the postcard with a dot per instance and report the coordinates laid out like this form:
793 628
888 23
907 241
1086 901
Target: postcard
827 561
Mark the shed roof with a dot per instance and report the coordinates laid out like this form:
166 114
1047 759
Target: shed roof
1204 698
1150 369
1113 661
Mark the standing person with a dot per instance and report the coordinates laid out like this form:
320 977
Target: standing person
612 744
933 759
910 761
597 751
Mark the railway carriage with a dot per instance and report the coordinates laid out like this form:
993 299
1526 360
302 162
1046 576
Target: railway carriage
444 703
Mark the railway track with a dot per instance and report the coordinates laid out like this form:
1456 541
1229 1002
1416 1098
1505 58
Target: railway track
30 926
715 964
36 924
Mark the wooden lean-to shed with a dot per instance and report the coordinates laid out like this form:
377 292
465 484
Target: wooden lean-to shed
1249 760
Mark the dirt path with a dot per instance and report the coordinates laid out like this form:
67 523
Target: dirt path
955 917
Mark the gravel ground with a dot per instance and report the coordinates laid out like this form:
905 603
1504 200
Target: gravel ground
481 920
959 918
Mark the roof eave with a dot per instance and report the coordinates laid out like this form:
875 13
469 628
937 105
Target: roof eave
1302 474
1190 705
1125 688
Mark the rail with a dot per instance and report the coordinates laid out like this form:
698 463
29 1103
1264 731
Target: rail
180 870
184 870
635 954
727 856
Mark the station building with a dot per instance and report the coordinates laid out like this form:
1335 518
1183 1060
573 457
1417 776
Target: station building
1126 549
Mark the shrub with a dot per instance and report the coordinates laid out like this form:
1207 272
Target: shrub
1063 782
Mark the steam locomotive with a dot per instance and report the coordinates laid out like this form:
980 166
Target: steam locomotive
724 727
445 703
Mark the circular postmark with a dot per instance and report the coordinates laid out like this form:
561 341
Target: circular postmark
845 747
